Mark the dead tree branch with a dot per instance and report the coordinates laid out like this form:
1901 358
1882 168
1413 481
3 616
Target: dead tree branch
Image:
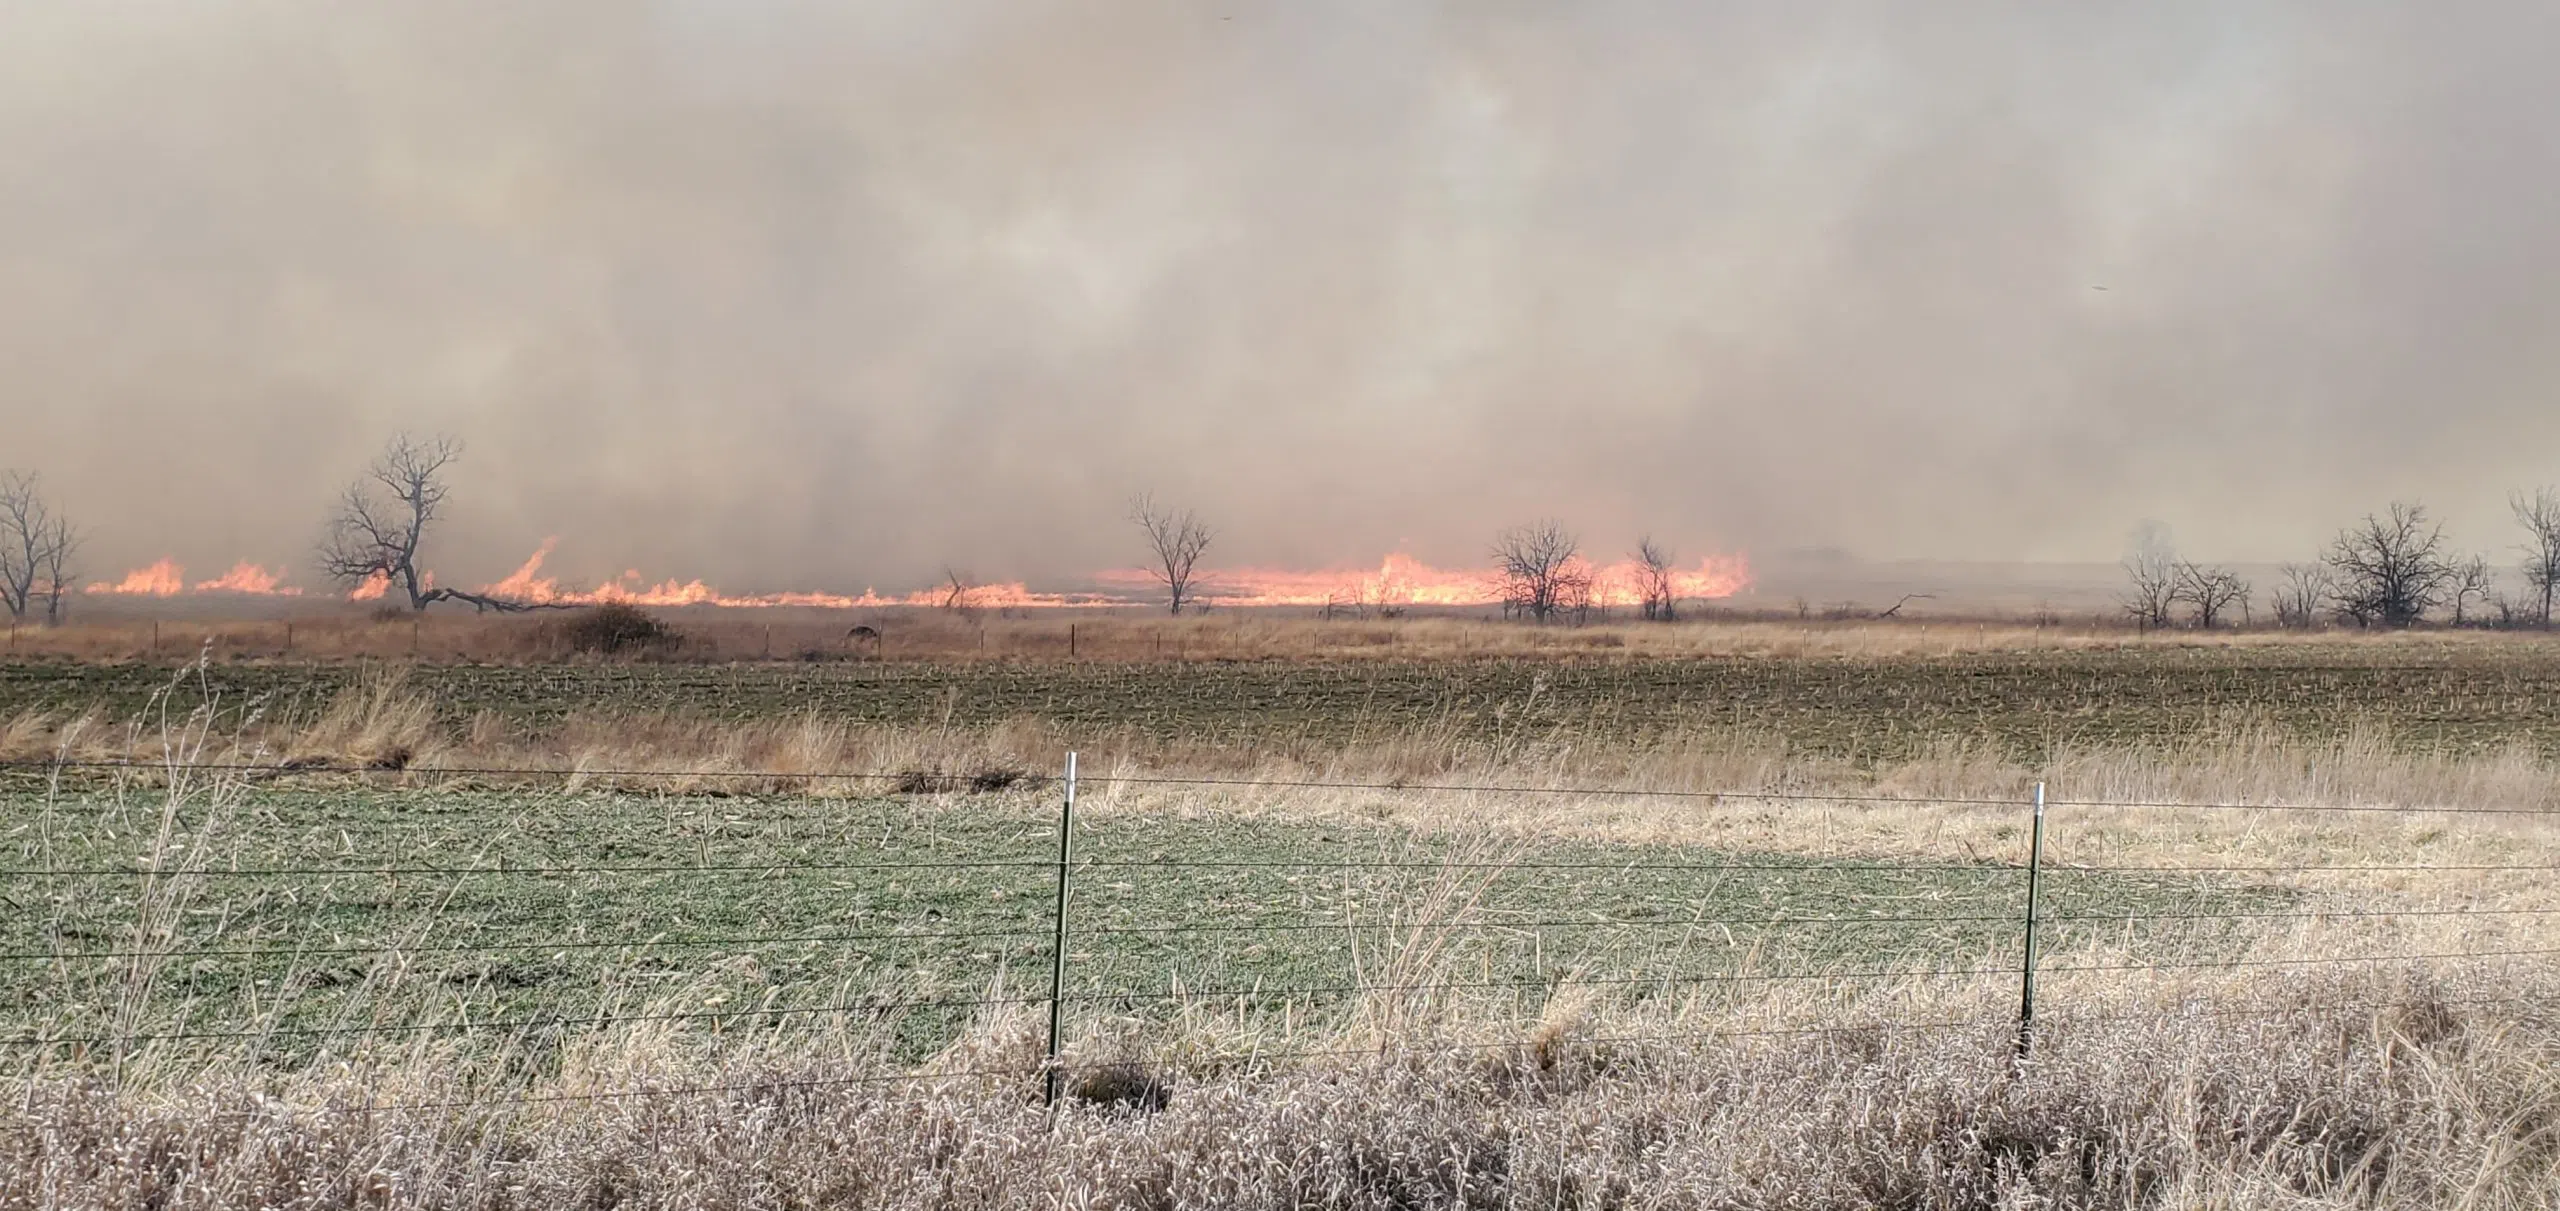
36 545
2473 579
2391 569
1175 541
2539 514
2209 591
1657 589
2152 570
2304 587
1907 599
1540 570
383 520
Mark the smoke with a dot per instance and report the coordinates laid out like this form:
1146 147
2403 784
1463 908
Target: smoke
801 295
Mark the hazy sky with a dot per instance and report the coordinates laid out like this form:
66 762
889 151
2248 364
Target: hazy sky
825 295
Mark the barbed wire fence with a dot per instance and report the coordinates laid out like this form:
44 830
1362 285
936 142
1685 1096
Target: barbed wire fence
115 945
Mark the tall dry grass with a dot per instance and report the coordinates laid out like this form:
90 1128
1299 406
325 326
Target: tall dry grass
2326 1091
382 724
2213 798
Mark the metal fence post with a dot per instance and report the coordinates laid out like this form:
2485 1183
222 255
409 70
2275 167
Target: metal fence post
2027 977
1058 945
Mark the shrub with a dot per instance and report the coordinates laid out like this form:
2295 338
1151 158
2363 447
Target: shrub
615 629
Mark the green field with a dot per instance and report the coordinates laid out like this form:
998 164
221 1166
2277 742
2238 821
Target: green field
312 918
324 913
2460 697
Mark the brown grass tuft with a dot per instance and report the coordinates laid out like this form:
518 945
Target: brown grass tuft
2326 1092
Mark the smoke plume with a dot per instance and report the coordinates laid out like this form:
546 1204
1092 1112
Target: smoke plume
803 295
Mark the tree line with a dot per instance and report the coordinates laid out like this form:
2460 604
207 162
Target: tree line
377 532
2393 569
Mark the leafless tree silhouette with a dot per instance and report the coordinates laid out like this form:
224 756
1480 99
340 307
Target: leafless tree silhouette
382 520
2300 592
2152 568
2390 569
2473 579
2539 514
1904 600
1659 593
959 592
1176 542
2209 591
1541 571
36 545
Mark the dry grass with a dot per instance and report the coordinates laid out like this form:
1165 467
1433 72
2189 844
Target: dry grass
2200 801
1720 785
2299 1080
716 635
2371 1090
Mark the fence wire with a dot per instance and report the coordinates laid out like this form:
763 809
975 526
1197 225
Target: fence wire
183 978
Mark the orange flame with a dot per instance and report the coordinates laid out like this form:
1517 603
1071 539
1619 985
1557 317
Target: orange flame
1401 580
528 584
166 578
162 579
247 577
1622 583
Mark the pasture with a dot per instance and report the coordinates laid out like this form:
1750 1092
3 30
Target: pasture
767 930
295 919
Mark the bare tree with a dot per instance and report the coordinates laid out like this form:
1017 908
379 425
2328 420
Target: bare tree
2209 591
2472 578
54 573
1540 569
959 592
1384 598
382 521
2152 568
1176 541
1655 586
36 545
2390 570
1579 597
383 518
2539 514
2303 589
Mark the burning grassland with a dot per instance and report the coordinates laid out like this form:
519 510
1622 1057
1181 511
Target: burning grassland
1398 583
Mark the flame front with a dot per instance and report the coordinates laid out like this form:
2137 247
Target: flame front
528 584
1402 581
162 579
166 578
247 577
1399 581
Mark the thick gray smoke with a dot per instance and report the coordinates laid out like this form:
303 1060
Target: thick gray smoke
816 295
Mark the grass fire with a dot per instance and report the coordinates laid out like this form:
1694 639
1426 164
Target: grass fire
1391 607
